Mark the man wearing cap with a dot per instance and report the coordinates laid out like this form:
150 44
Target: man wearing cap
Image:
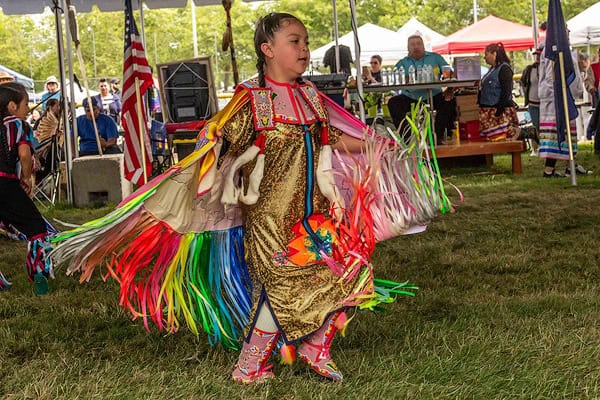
115 87
52 92
529 84
107 131
5 77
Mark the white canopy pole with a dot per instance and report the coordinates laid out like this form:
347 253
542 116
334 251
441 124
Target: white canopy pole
359 85
142 31
194 34
534 25
336 36
61 68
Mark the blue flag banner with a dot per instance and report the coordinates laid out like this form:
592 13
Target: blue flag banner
557 41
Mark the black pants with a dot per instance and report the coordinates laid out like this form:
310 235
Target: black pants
18 210
109 150
445 116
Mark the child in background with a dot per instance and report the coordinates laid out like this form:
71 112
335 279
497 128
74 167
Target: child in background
16 206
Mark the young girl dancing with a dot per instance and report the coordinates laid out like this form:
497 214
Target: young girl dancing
250 234
16 206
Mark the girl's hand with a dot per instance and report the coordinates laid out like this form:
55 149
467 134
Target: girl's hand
26 184
219 133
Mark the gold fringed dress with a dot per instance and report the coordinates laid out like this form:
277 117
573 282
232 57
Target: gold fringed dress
300 297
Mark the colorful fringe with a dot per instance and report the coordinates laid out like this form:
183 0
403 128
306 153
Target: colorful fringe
38 260
168 277
4 283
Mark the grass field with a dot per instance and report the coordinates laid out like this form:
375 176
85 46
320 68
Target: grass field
509 308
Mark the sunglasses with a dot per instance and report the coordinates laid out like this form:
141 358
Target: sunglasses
374 62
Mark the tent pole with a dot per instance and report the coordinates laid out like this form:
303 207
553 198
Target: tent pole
194 34
359 85
534 24
61 68
142 31
336 35
69 51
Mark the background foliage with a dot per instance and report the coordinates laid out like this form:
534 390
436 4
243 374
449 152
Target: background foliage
29 46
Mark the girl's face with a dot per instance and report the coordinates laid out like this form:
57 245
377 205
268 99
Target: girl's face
490 57
19 110
287 55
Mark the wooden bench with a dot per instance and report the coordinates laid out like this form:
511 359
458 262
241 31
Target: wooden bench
515 147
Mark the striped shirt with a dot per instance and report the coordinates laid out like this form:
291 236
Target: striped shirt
15 132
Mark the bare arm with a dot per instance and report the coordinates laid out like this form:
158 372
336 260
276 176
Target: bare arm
26 167
350 143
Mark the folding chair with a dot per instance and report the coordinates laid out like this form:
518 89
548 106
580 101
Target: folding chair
47 178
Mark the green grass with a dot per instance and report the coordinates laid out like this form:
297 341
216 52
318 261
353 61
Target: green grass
508 309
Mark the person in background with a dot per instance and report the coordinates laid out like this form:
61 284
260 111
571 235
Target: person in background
587 74
596 69
443 103
5 77
48 124
497 111
109 103
52 91
34 118
16 165
374 101
345 59
115 87
375 64
107 130
550 148
588 93
529 83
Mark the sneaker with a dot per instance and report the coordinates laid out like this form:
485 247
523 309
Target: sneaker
40 285
579 170
534 153
553 174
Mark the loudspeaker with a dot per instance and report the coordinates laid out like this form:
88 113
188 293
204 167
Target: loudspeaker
187 90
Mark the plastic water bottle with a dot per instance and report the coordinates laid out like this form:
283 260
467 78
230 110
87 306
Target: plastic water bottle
436 73
411 74
401 76
419 74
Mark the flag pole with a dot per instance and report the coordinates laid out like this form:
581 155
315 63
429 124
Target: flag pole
141 126
561 62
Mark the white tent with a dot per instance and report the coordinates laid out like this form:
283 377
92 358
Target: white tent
414 27
373 40
585 27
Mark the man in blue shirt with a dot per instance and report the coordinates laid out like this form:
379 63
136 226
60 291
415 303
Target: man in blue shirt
107 131
443 103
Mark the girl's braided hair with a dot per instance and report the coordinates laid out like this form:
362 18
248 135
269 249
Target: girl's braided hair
265 31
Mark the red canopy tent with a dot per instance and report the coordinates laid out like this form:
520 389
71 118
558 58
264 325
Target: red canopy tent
474 38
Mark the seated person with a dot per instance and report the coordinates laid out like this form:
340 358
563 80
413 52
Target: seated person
109 103
48 125
107 131
374 101
443 103
47 151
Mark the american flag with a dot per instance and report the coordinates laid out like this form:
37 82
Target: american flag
135 65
